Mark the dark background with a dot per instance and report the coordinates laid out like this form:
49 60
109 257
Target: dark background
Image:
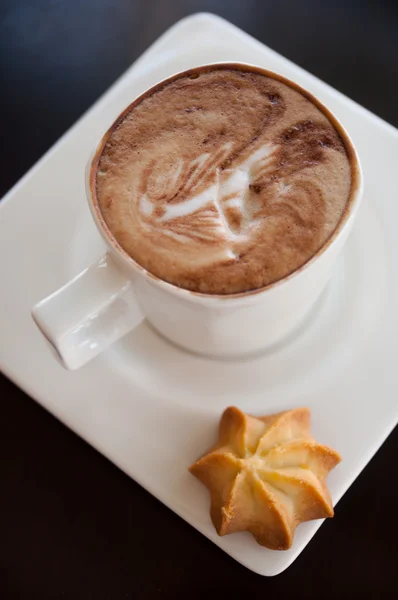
71 524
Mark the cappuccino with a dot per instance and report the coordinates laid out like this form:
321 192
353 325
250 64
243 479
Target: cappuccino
223 180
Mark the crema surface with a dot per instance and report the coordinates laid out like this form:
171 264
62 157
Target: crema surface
224 181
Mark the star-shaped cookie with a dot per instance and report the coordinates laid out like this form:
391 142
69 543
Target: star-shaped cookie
266 475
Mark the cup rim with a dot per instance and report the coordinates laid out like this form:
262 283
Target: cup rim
350 209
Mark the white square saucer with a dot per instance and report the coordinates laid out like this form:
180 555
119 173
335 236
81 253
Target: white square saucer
153 409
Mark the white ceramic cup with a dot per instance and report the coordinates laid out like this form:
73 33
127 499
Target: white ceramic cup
114 295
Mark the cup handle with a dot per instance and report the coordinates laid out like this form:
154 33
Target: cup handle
89 313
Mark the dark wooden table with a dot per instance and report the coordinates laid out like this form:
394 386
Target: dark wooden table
71 524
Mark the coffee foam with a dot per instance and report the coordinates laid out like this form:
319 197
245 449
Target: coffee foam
223 183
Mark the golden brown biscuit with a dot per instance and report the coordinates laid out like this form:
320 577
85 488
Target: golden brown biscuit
266 475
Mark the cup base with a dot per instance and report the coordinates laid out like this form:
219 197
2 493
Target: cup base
291 336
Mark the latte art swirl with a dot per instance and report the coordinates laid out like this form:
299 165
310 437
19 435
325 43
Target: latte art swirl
223 183
190 211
